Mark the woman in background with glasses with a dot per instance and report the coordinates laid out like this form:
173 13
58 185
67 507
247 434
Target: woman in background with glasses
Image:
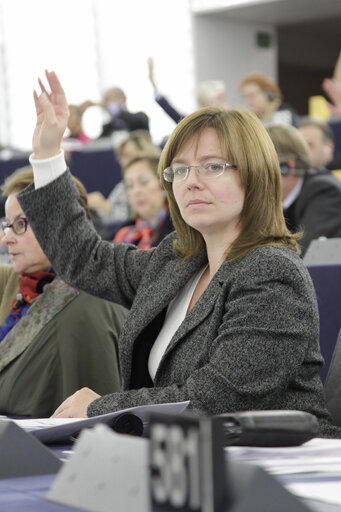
53 338
223 312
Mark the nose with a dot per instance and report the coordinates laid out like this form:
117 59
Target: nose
193 178
8 236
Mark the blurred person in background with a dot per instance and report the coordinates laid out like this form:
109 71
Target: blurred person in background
114 211
263 97
320 139
148 202
115 104
74 125
209 92
311 197
53 338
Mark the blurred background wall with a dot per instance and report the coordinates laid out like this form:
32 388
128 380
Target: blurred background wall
96 44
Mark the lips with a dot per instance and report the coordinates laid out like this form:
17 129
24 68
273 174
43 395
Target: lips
196 202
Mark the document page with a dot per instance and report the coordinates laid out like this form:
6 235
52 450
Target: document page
53 430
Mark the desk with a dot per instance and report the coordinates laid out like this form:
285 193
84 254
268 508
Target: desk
28 494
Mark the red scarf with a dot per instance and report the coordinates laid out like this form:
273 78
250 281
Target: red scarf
141 233
31 285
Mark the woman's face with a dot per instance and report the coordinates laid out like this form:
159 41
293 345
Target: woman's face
27 254
144 192
255 99
210 205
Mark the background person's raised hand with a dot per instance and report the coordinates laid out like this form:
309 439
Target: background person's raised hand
332 87
52 115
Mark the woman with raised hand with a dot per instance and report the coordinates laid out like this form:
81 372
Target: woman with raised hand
223 312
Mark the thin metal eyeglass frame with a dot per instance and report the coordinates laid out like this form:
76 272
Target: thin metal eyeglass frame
167 177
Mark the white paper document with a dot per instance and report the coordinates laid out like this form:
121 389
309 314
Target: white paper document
56 430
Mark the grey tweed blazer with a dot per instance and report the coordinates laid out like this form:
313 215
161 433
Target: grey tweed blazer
250 342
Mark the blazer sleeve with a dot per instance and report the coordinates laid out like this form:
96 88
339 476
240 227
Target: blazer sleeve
169 109
75 249
267 326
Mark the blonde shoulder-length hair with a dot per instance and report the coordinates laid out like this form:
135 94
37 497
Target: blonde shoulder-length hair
246 144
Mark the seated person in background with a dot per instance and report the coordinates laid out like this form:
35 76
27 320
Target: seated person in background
311 197
114 102
320 139
210 92
53 338
223 311
74 125
264 98
148 202
114 211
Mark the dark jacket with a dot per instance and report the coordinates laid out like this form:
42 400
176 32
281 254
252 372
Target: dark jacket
126 121
66 340
317 209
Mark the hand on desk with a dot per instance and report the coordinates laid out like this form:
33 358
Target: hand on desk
76 405
52 116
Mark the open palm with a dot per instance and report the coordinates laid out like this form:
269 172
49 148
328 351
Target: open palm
52 115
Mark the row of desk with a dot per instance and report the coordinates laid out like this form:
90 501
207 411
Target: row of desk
98 169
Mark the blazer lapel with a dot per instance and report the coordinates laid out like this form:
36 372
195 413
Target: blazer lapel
147 300
56 296
198 314
202 308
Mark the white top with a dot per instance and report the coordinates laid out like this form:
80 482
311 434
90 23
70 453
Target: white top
47 169
176 313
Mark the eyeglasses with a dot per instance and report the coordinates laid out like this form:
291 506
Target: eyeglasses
19 225
177 173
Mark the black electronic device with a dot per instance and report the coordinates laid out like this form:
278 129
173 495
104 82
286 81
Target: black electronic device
268 428
125 423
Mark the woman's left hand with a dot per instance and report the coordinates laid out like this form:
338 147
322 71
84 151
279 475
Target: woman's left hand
76 405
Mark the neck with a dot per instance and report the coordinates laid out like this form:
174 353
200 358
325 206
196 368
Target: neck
217 246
